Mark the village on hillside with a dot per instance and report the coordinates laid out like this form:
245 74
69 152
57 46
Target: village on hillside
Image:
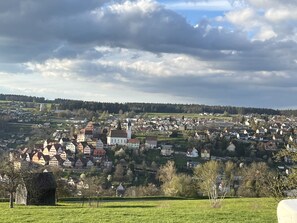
130 148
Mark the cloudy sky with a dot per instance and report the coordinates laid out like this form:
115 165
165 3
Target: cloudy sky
216 52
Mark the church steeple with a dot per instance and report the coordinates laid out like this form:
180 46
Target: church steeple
129 129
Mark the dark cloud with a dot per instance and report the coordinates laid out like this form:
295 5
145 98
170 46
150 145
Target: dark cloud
34 23
251 72
35 29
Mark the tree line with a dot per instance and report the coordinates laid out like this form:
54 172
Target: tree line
67 104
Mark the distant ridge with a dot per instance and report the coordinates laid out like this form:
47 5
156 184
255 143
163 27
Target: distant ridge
147 107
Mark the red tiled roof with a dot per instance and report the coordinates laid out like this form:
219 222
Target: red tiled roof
118 133
133 141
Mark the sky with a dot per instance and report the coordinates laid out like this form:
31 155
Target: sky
214 52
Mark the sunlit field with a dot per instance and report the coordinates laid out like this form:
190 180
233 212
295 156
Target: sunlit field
232 210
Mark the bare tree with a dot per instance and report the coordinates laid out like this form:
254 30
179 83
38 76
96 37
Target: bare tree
175 184
276 184
214 179
254 182
206 177
166 175
119 172
11 176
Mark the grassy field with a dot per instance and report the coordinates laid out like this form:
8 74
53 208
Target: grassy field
233 210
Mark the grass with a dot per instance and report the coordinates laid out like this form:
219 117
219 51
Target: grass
233 210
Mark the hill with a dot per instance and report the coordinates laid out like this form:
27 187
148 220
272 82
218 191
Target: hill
64 104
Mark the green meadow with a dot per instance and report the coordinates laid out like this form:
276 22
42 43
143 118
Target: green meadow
233 210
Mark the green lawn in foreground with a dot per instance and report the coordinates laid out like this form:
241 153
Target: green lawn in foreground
233 210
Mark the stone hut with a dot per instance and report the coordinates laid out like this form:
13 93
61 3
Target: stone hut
120 191
37 189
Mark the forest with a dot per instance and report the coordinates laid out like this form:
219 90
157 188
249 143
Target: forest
67 104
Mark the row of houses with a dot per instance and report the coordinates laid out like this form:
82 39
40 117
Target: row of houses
66 153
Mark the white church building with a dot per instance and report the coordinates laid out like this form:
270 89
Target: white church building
120 137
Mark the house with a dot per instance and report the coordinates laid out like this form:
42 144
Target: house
92 141
81 136
39 158
46 143
205 154
69 163
99 144
71 146
192 152
182 127
99 152
90 164
88 134
151 142
79 163
54 150
117 137
81 146
92 130
242 136
45 150
37 189
278 138
107 164
191 164
261 131
88 150
63 155
167 150
270 146
89 127
56 161
249 132
231 147
133 143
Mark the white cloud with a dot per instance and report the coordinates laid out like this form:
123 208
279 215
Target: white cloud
214 5
281 14
144 51
266 19
244 17
53 67
130 7
115 61
265 33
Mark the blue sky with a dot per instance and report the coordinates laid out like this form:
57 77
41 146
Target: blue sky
214 52
194 11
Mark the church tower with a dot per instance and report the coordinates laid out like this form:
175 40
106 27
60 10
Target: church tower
129 129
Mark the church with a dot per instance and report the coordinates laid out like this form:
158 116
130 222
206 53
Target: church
118 136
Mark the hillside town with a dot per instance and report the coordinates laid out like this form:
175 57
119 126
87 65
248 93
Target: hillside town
130 148
204 138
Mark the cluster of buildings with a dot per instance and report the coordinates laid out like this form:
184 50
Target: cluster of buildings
84 150
88 146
